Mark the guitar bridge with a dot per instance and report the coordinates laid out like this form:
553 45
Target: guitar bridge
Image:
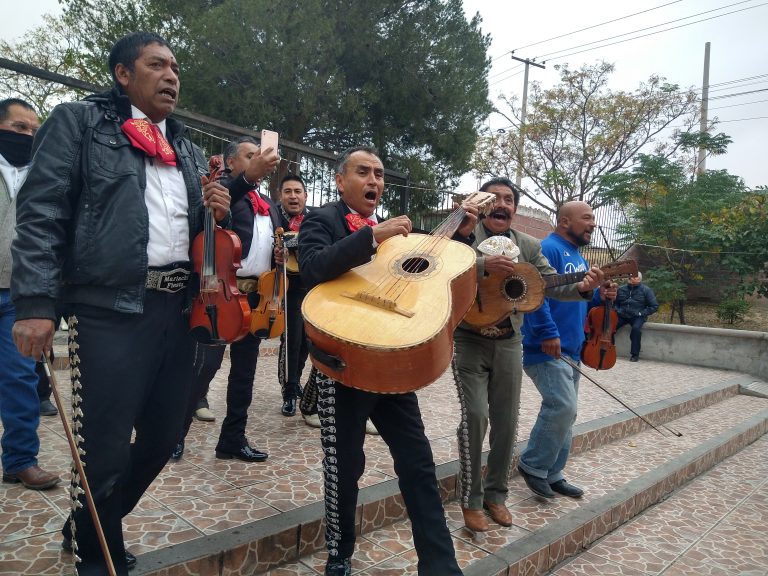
379 302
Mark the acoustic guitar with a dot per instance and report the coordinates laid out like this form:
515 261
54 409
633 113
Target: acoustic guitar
499 296
387 326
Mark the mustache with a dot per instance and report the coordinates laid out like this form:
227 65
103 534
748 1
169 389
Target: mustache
496 212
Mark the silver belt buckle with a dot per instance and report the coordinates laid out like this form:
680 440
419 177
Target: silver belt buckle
170 281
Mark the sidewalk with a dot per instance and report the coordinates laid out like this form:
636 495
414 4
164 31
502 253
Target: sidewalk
202 496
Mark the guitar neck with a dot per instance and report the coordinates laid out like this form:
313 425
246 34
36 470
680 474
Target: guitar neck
554 280
449 226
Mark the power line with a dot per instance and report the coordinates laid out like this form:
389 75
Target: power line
742 104
640 30
739 94
593 26
654 33
743 119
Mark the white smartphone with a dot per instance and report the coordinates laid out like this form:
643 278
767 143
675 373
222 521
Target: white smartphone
269 139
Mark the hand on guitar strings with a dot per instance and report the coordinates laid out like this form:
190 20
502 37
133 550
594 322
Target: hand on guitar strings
392 227
470 220
592 280
499 264
216 197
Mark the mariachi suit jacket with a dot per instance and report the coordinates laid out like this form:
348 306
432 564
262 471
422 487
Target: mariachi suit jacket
327 247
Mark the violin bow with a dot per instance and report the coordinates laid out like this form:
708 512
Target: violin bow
575 366
285 310
79 467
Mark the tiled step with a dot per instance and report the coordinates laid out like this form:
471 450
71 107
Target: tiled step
269 544
621 480
716 525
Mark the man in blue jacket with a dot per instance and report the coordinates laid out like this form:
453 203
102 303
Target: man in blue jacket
555 329
634 303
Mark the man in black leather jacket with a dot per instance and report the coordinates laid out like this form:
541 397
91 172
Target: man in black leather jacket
106 219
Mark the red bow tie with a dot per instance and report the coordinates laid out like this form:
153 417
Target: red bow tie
295 223
355 222
147 137
260 206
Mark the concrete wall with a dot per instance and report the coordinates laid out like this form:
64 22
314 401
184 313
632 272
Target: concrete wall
740 350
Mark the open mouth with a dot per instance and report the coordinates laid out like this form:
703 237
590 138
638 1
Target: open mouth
170 92
370 195
499 215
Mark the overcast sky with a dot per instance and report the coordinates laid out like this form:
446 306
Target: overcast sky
739 54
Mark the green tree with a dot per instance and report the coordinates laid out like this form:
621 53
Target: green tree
579 131
688 226
52 46
409 77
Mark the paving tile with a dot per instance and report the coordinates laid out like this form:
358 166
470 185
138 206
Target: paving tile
202 495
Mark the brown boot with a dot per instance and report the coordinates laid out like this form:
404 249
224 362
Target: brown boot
499 513
475 520
34 478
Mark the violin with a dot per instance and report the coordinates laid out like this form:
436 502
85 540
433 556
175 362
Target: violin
268 318
220 312
599 351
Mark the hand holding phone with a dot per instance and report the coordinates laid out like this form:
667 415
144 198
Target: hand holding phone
264 162
269 139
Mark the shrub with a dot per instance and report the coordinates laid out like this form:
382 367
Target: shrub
732 310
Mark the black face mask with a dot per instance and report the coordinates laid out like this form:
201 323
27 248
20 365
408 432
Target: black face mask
16 148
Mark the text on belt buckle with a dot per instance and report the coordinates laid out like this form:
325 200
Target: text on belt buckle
171 280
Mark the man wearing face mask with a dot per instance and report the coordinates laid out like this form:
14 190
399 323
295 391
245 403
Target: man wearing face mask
19 403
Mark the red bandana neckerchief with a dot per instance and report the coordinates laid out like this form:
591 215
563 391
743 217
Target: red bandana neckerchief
295 223
355 222
260 206
147 137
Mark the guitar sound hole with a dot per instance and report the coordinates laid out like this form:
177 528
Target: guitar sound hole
415 265
514 288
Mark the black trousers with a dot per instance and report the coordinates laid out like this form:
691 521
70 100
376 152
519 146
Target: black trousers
289 376
128 372
343 412
243 356
207 361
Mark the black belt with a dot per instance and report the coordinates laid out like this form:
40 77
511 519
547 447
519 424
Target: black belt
171 278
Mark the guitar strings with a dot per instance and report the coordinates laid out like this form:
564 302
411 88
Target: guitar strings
386 285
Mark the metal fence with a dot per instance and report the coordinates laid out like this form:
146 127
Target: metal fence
425 206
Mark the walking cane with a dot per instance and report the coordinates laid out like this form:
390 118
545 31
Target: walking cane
79 466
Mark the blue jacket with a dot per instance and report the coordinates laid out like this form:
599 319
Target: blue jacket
556 318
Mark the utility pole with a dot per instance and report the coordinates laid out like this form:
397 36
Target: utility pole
701 164
519 174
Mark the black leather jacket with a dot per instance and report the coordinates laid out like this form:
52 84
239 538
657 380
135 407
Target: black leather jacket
82 222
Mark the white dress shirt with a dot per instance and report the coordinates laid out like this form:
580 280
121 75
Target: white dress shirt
14 176
259 258
167 206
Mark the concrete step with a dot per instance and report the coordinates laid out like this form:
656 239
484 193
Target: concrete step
624 465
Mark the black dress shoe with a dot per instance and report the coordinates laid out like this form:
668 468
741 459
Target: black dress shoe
246 454
47 408
130 559
289 407
338 567
178 452
562 487
538 486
